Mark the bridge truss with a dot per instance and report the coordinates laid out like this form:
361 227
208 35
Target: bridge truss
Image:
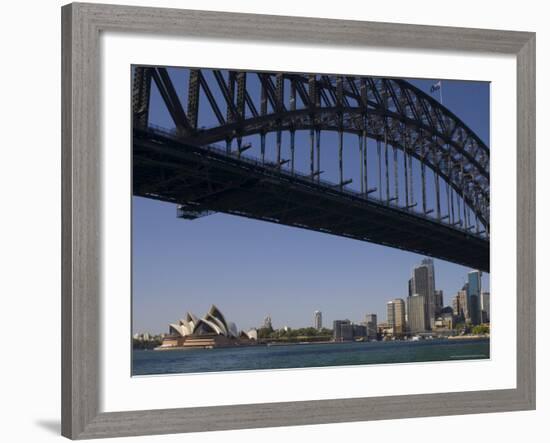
409 132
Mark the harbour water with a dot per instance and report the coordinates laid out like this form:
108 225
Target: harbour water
145 362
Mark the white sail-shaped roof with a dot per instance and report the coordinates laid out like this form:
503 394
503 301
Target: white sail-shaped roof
232 329
176 329
212 323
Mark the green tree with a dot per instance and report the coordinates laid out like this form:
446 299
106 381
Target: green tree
480 330
265 332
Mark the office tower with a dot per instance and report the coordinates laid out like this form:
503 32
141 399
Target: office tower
429 263
359 331
423 283
318 320
455 303
445 320
474 296
485 307
390 314
346 332
342 330
267 322
372 326
464 303
396 316
418 315
400 324
438 302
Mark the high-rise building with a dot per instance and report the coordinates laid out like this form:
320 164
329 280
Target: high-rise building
372 326
346 332
396 316
429 263
400 323
418 315
438 302
390 314
485 307
455 303
474 296
460 305
267 322
359 331
464 303
318 320
342 330
423 283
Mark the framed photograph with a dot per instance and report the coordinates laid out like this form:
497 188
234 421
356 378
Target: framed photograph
274 221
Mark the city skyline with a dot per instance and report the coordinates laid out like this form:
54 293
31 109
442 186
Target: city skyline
327 318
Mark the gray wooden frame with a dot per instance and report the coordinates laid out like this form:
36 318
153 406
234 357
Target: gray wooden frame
81 231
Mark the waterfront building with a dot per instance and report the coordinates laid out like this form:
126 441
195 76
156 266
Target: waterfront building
423 283
384 329
462 304
342 330
485 307
438 302
372 326
390 314
474 296
359 331
400 323
455 303
212 330
465 303
418 314
444 323
431 303
318 320
267 322
346 332
396 316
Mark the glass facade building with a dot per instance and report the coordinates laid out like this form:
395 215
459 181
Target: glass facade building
474 296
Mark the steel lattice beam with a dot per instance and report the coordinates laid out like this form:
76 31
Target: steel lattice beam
391 111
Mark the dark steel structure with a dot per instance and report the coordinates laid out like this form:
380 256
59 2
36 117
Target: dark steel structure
187 166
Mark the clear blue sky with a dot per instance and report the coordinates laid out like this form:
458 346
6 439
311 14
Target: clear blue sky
250 269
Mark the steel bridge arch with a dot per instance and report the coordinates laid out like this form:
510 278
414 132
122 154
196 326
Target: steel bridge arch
391 111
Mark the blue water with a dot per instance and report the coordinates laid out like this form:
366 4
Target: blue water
305 356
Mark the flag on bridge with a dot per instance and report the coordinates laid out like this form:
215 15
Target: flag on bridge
436 86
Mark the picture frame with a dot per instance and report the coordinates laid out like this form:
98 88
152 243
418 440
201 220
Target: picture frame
82 25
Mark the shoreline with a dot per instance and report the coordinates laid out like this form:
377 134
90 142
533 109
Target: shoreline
471 337
277 344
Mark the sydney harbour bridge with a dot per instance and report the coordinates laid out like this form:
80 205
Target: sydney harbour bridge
372 159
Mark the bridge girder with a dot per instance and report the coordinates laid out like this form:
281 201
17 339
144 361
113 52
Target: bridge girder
210 180
392 110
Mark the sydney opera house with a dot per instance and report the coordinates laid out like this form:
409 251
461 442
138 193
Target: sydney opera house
210 331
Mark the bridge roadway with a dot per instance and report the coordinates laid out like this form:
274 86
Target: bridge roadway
207 179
